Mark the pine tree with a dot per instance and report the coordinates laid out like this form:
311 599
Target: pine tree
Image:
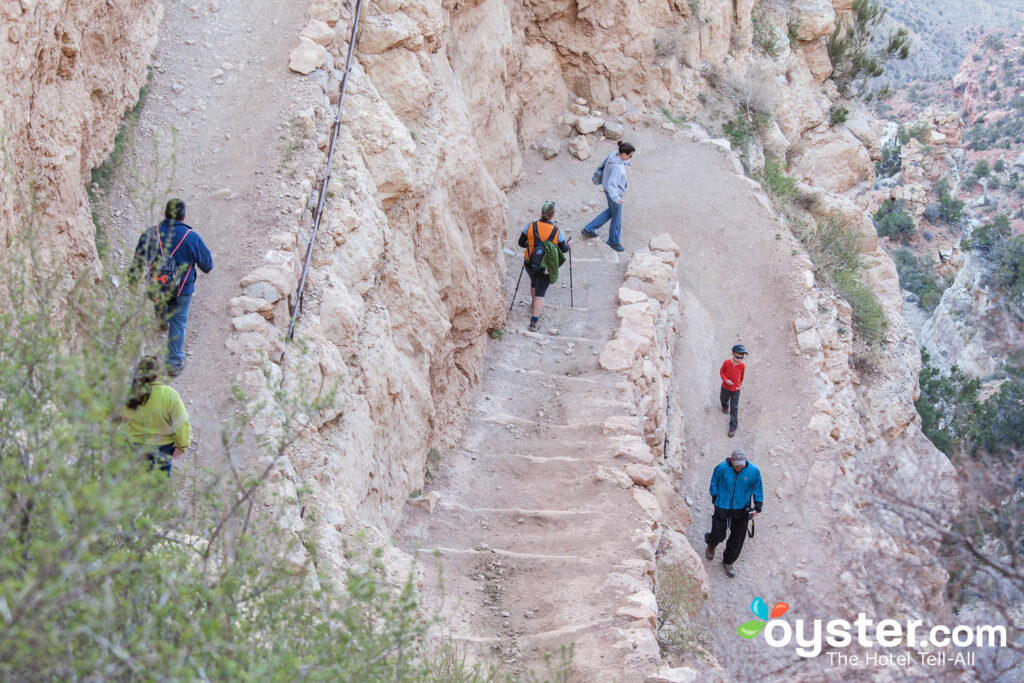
854 60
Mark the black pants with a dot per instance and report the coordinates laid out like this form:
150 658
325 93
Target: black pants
731 400
736 522
161 458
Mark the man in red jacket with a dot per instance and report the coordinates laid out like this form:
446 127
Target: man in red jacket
732 377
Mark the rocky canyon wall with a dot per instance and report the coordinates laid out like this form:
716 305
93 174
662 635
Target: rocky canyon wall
70 69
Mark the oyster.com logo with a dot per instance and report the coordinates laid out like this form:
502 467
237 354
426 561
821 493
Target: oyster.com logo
751 629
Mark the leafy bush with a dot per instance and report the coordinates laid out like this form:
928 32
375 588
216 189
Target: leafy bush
105 574
918 276
893 222
994 41
838 115
891 161
999 166
998 426
986 238
738 131
776 183
850 48
981 169
947 404
1011 268
836 254
765 36
951 210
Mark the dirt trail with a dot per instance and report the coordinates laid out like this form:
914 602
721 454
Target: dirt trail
219 78
521 480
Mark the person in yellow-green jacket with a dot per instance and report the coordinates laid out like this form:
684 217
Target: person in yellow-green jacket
156 419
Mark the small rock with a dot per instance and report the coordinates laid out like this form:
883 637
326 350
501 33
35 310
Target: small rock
613 131
318 31
800 576
177 87
307 56
549 147
580 101
580 148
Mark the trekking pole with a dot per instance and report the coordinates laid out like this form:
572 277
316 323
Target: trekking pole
512 303
570 278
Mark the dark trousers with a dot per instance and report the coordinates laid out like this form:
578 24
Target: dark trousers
731 400
736 522
161 458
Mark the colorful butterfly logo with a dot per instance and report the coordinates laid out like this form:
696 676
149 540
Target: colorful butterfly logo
759 607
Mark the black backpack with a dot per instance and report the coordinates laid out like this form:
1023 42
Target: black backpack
537 255
164 271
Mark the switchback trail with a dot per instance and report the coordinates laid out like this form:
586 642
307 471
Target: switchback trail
524 535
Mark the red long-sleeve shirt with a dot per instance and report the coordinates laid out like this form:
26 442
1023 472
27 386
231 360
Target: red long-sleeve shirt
732 372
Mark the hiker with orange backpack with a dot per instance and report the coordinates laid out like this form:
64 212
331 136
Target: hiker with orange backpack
539 260
170 254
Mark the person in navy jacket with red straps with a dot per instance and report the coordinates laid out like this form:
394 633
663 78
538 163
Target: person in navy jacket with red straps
172 236
732 378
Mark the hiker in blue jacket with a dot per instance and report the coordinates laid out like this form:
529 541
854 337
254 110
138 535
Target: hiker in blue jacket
613 180
530 239
172 237
733 483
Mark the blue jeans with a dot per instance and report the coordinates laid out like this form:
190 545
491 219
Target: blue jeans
613 212
177 318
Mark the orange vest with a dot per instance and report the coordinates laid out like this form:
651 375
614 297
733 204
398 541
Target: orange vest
547 233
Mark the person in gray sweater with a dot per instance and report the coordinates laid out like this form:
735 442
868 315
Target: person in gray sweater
613 181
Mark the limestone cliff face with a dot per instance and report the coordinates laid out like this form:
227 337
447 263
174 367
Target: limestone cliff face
407 277
70 70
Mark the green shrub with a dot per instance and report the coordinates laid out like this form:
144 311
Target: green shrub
781 187
764 36
850 48
999 166
998 427
892 222
1011 268
738 131
869 321
947 404
951 210
836 254
110 571
838 115
918 276
891 161
981 169
987 237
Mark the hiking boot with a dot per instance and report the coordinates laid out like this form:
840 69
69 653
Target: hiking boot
729 571
709 552
175 371
732 433
164 327
534 325
586 233
725 410
616 247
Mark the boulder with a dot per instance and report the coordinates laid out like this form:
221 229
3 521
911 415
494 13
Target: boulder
614 131
808 341
631 296
318 31
279 277
619 354
307 56
588 124
580 148
646 500
641 474
663 242
817 18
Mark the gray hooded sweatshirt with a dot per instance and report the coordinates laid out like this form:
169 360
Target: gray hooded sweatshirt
614 181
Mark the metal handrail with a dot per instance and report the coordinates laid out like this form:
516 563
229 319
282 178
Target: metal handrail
327 176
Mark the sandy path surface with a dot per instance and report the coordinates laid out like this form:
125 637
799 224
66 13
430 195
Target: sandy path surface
222 103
